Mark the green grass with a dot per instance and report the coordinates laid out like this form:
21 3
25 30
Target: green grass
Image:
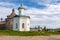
30 33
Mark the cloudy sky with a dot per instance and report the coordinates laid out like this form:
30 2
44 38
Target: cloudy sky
42 12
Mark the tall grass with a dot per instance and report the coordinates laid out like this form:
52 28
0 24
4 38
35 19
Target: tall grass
30 33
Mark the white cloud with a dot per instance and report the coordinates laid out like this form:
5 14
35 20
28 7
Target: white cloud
46 17
46 2
53 9
7 4
50 10
6 9
4 12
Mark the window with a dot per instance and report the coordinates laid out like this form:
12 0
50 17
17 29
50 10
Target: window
28 24
22 25
16 25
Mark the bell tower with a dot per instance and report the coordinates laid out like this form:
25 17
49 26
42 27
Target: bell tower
21 9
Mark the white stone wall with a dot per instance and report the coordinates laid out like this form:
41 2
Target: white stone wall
21 20
21 11
15 20
26 24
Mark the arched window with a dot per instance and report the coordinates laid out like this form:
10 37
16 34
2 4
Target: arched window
16 25
22 25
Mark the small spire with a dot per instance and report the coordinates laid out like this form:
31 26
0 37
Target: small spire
13 9
21 5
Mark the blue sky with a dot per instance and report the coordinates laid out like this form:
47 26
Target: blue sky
42 12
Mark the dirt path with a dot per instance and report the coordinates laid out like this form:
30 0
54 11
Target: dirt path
54 37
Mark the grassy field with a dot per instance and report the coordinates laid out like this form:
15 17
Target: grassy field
30 33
